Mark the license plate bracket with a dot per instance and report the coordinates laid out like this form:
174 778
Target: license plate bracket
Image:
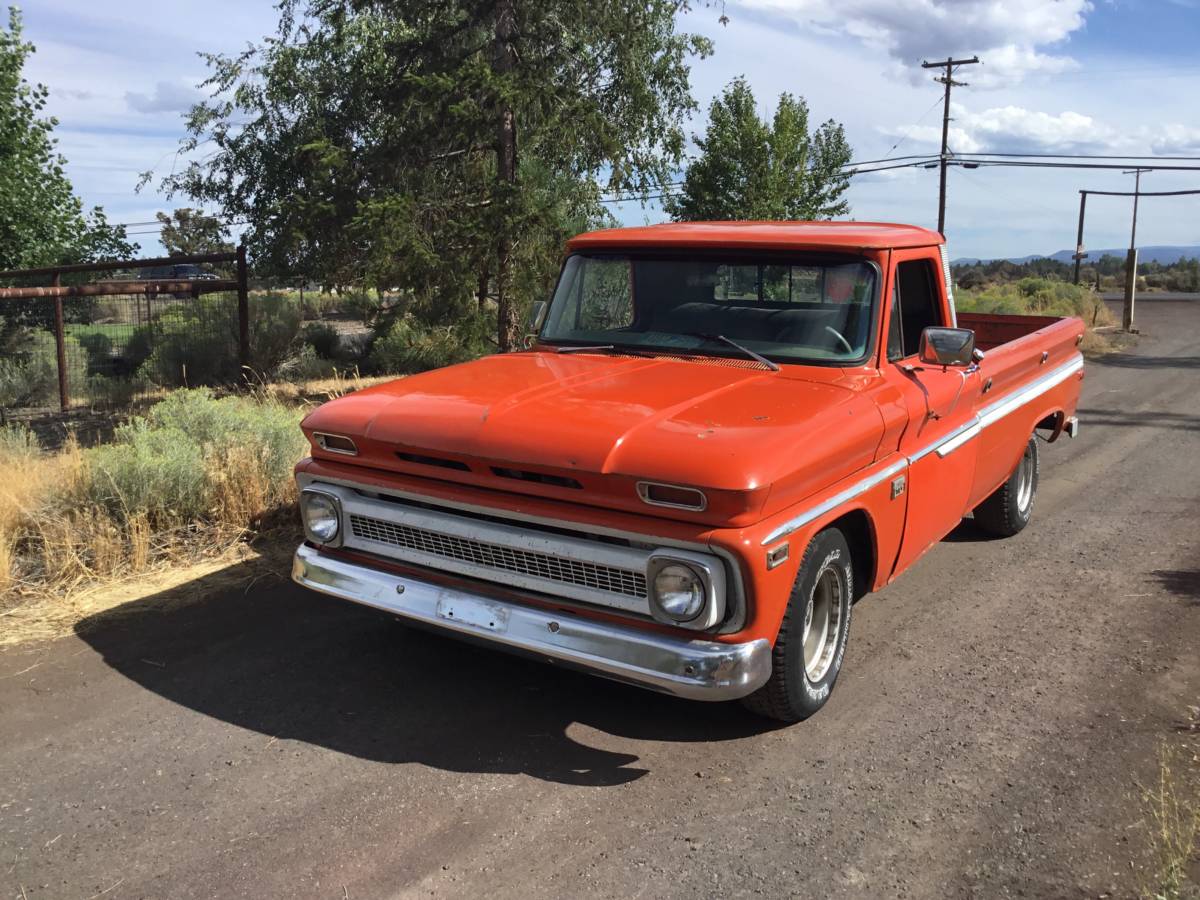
474 613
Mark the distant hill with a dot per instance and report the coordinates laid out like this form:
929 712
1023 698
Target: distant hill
1163 254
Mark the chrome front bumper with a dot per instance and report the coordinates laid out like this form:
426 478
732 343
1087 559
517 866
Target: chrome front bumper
695 669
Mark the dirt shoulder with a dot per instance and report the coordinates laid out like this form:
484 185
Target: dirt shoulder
999 706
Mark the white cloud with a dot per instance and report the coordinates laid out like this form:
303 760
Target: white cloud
1008 36
1014 129
168 96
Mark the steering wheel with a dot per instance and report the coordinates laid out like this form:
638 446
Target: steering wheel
841 339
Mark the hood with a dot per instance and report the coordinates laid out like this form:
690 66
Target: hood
557 424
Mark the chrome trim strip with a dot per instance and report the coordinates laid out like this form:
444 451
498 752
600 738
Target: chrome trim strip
695 669
940 442
859 487
944 445
997 410
960 436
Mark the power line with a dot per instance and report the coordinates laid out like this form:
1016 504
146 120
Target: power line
1074 156
908 131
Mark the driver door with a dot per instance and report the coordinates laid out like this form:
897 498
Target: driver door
939 440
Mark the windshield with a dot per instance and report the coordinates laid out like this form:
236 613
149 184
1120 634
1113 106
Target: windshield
787 309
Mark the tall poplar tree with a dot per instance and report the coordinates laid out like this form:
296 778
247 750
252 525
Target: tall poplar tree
752 169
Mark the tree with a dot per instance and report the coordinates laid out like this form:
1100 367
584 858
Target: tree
42 222
188 232
751 169
439 148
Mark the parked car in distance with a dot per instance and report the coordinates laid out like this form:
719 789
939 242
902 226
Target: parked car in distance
176 272
721 436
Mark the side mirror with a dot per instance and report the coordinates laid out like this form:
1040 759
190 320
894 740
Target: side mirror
537 315
948 347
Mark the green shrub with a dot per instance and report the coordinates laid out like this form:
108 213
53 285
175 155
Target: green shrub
29 369
323 338
305 365
406 346
196 342
1036 296
112 391
274 326
192 457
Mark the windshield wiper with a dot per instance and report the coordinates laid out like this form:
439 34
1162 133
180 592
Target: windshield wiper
774 367
573 348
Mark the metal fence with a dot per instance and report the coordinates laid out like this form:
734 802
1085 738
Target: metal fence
102 335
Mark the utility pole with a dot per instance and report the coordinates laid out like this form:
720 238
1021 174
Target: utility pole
1079 254
948 80
1131 258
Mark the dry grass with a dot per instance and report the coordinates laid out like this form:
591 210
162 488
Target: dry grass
1171 824
178 492
192 481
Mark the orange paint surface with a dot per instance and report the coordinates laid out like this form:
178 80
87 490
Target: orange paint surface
569 436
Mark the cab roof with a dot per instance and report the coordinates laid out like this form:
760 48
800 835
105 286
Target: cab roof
761 236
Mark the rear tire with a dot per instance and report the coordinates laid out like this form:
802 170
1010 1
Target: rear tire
807 656
1008 510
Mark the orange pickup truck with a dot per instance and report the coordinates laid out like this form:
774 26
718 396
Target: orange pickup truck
721 436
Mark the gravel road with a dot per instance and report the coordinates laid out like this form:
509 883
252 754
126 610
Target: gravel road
997 707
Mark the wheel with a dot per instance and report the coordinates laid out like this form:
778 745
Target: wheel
1007 510
808 653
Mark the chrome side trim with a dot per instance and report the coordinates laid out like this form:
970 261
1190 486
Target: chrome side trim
960 437
944 445
994 412
695 669
955 437
859 487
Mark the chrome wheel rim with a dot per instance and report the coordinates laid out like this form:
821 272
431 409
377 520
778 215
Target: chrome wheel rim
822 624
1025 480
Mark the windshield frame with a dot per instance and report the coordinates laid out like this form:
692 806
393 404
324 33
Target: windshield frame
686 254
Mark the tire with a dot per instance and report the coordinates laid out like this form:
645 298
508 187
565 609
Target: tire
803 668
1008 510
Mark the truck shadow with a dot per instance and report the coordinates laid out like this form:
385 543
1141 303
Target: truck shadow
294 665
1183 583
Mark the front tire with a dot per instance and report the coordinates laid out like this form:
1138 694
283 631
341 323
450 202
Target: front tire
807 656
1008 510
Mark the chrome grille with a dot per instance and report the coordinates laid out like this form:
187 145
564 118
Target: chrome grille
496 557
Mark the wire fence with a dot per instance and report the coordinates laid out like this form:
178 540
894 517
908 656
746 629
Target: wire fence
105 343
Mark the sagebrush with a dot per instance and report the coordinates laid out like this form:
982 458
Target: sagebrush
195 472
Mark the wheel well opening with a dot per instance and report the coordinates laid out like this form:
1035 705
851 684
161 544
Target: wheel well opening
1053 423
860 534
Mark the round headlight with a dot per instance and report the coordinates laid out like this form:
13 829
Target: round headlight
680 592
320 517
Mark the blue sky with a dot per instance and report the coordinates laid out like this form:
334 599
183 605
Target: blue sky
1108 76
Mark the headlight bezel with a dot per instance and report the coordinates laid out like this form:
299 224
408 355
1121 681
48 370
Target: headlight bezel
709 571
311 495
